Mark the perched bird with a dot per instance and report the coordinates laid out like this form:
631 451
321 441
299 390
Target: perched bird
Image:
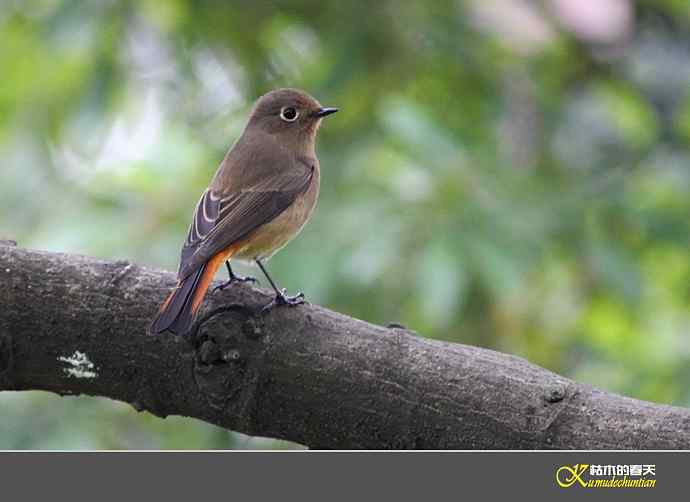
261 196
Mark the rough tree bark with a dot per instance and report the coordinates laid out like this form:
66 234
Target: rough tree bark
77 325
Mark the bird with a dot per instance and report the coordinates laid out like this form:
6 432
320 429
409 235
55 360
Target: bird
263 193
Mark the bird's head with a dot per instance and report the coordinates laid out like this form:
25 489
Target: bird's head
289 114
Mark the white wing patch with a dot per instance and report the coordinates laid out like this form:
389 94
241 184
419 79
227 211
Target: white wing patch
205 217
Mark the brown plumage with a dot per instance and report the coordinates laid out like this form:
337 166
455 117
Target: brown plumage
261 196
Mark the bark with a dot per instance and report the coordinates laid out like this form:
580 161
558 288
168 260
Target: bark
77 325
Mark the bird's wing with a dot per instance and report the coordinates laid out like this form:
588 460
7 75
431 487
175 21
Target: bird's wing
222 220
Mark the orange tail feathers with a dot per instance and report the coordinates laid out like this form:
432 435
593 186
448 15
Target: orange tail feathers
177 312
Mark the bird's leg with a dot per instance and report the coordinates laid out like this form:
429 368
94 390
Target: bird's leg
281 298
232 277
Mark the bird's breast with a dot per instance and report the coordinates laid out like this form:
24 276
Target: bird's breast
269 238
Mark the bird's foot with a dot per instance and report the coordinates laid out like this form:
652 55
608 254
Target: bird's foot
234 278
282 299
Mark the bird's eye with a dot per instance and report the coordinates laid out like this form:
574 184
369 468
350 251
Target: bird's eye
288 114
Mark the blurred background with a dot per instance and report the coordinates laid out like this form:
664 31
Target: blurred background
528 164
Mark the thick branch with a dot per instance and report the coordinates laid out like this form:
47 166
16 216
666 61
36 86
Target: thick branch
77 325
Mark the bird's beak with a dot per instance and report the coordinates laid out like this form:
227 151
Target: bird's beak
324 112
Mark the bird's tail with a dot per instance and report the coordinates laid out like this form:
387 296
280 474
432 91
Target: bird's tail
177 312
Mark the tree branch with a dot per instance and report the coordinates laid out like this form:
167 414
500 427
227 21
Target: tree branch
76 325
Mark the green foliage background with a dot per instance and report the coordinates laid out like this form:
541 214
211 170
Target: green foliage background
499 179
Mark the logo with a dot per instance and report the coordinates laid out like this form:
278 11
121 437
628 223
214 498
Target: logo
607 476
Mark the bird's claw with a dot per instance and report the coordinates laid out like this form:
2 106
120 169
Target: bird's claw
233 279
283 299
246 278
